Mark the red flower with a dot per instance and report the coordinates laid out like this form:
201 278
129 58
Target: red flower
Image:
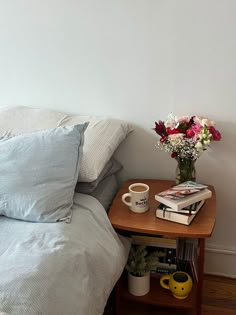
190 133
216 135
160 128
163 139
174 155
173 131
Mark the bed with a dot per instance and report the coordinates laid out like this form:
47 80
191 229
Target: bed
58 251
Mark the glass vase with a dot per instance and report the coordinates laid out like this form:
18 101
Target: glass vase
185 170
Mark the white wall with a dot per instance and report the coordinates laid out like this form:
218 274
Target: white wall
137 60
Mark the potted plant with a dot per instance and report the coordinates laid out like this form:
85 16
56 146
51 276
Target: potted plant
140 263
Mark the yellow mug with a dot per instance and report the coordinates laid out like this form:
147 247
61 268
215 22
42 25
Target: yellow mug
179 283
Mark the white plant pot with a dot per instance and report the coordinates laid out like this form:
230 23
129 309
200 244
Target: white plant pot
139 285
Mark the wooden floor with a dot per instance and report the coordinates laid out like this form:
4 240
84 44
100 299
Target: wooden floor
219 298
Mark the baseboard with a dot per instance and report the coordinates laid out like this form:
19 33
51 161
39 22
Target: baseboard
220 261
219 274
218 250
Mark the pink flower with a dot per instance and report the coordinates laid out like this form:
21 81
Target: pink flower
196 129
216 135
184 119
190 133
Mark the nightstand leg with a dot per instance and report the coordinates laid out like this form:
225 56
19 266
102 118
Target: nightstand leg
200 274
117 297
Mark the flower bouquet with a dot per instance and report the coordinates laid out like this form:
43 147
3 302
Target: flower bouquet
185 138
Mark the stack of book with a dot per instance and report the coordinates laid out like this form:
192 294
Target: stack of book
181 203
187 256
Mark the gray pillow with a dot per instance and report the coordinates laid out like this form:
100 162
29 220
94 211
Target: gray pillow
111 168
38 173
106 191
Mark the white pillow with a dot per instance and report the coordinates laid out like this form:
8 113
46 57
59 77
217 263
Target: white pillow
101 138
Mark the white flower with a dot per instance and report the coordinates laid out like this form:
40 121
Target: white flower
207 142
203 121
176 138
199 146
171 121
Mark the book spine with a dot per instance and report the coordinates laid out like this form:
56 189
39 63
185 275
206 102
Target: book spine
147 243
171 216
167 253
166 263
160 270
154 241
191 209
187 256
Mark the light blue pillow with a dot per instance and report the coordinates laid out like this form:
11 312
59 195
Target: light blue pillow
38 173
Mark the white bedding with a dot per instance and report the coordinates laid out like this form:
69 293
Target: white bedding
60 268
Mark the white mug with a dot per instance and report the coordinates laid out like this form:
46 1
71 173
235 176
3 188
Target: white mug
139 197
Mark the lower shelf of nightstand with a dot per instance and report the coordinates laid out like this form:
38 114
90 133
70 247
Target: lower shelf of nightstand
157 296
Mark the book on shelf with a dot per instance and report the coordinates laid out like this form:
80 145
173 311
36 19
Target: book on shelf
187 256
167 255
183 195
168 258
175 216
156 241
166 262
164 269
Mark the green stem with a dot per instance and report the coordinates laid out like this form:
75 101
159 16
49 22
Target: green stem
185 170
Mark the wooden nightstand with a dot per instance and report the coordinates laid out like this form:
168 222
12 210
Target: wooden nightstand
126 222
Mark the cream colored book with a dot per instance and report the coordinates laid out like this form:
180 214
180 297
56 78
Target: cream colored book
179 217
154 241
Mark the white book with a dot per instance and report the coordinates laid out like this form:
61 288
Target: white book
191 209
183 201
178 217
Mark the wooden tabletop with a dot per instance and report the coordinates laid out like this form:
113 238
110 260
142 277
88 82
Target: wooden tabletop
126 220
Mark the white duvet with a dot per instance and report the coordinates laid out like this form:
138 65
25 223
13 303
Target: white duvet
60 268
